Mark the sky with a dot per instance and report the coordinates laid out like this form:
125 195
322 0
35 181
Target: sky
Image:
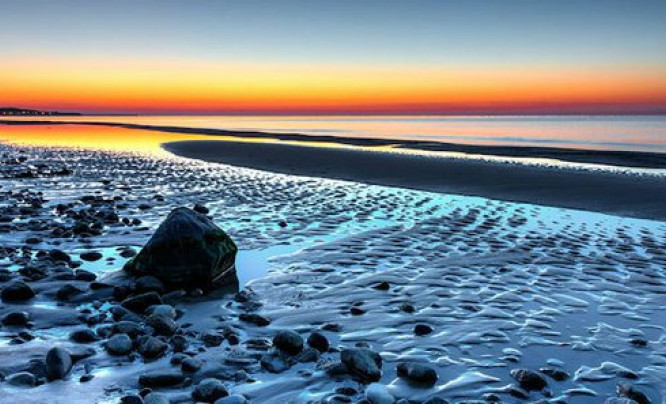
334 57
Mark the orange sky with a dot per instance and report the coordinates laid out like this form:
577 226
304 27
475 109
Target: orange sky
199 87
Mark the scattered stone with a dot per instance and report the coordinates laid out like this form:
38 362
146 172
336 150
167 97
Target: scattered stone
86 276
140 303
22 379
191 365
151 347
318 341
556 374
187 251
209 390
529 380
67 291
382 286
254 319
59 255
17 291
377 393
58 363
417 373
212 338
274 363
289 342
161 379
16 318
84 336
362 362
156 398
422 329
639 342
162 325
131 399
199 208
91 256
119 344
149 283
630 392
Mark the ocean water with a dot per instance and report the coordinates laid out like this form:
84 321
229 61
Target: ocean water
634 133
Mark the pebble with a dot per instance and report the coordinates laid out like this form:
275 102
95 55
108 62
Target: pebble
289 342
318 341
274 363
91 256
378 394
417 373
161 379
140 303
362 362
84 335
22 379
191 365
422 329
58 363
529 380
151 347
209 390
119 344
17 291
16 318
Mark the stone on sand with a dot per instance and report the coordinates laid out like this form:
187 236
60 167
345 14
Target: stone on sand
17 291
187 251
209 390
362 362
58 363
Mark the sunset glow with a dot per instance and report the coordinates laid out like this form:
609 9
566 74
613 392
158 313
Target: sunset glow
236 71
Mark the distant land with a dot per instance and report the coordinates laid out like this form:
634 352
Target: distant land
21 111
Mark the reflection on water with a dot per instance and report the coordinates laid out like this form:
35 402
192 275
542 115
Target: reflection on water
641 133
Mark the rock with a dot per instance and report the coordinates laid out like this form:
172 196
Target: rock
529 380
417 373
131 399
382 286
212 338
307 355
274 363
85 276
630 392
208 390
363 363
91 256
156 398
119 344
232 399
199 208
58 363
187 251
16 318
318 341
59 255
555 374
164 310
162 325
84 335
16 292
377 393
289 342
191 365
22 379
161 379
67 291
422 329
149 283
140 303
254 319
131 328
151 347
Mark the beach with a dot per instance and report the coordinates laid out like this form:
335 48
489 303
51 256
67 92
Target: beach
465 279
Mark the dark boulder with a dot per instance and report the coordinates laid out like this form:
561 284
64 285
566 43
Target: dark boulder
187 251
363 363
417 373
58 363
288 341
16 292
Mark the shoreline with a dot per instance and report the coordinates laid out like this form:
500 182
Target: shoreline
604 192
634 159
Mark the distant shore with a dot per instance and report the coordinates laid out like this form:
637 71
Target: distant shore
606 157
613 193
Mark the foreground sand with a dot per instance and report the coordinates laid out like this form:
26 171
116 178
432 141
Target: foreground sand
499 286
613 191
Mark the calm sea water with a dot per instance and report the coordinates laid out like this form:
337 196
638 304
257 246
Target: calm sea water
638 133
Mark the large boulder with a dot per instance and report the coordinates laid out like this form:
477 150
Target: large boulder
188 251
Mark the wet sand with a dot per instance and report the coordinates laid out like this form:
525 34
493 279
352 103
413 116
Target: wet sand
617 193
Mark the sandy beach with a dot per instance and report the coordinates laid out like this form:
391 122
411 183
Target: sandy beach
618 193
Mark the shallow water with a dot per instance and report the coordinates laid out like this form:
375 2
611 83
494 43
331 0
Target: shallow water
636 133
503 285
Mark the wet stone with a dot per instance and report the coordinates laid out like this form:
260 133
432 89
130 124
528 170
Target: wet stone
318 341
417 373
16 318
17 291
529 380
288 341
208 390
119 344
85 335
422 329
362 362
58 363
